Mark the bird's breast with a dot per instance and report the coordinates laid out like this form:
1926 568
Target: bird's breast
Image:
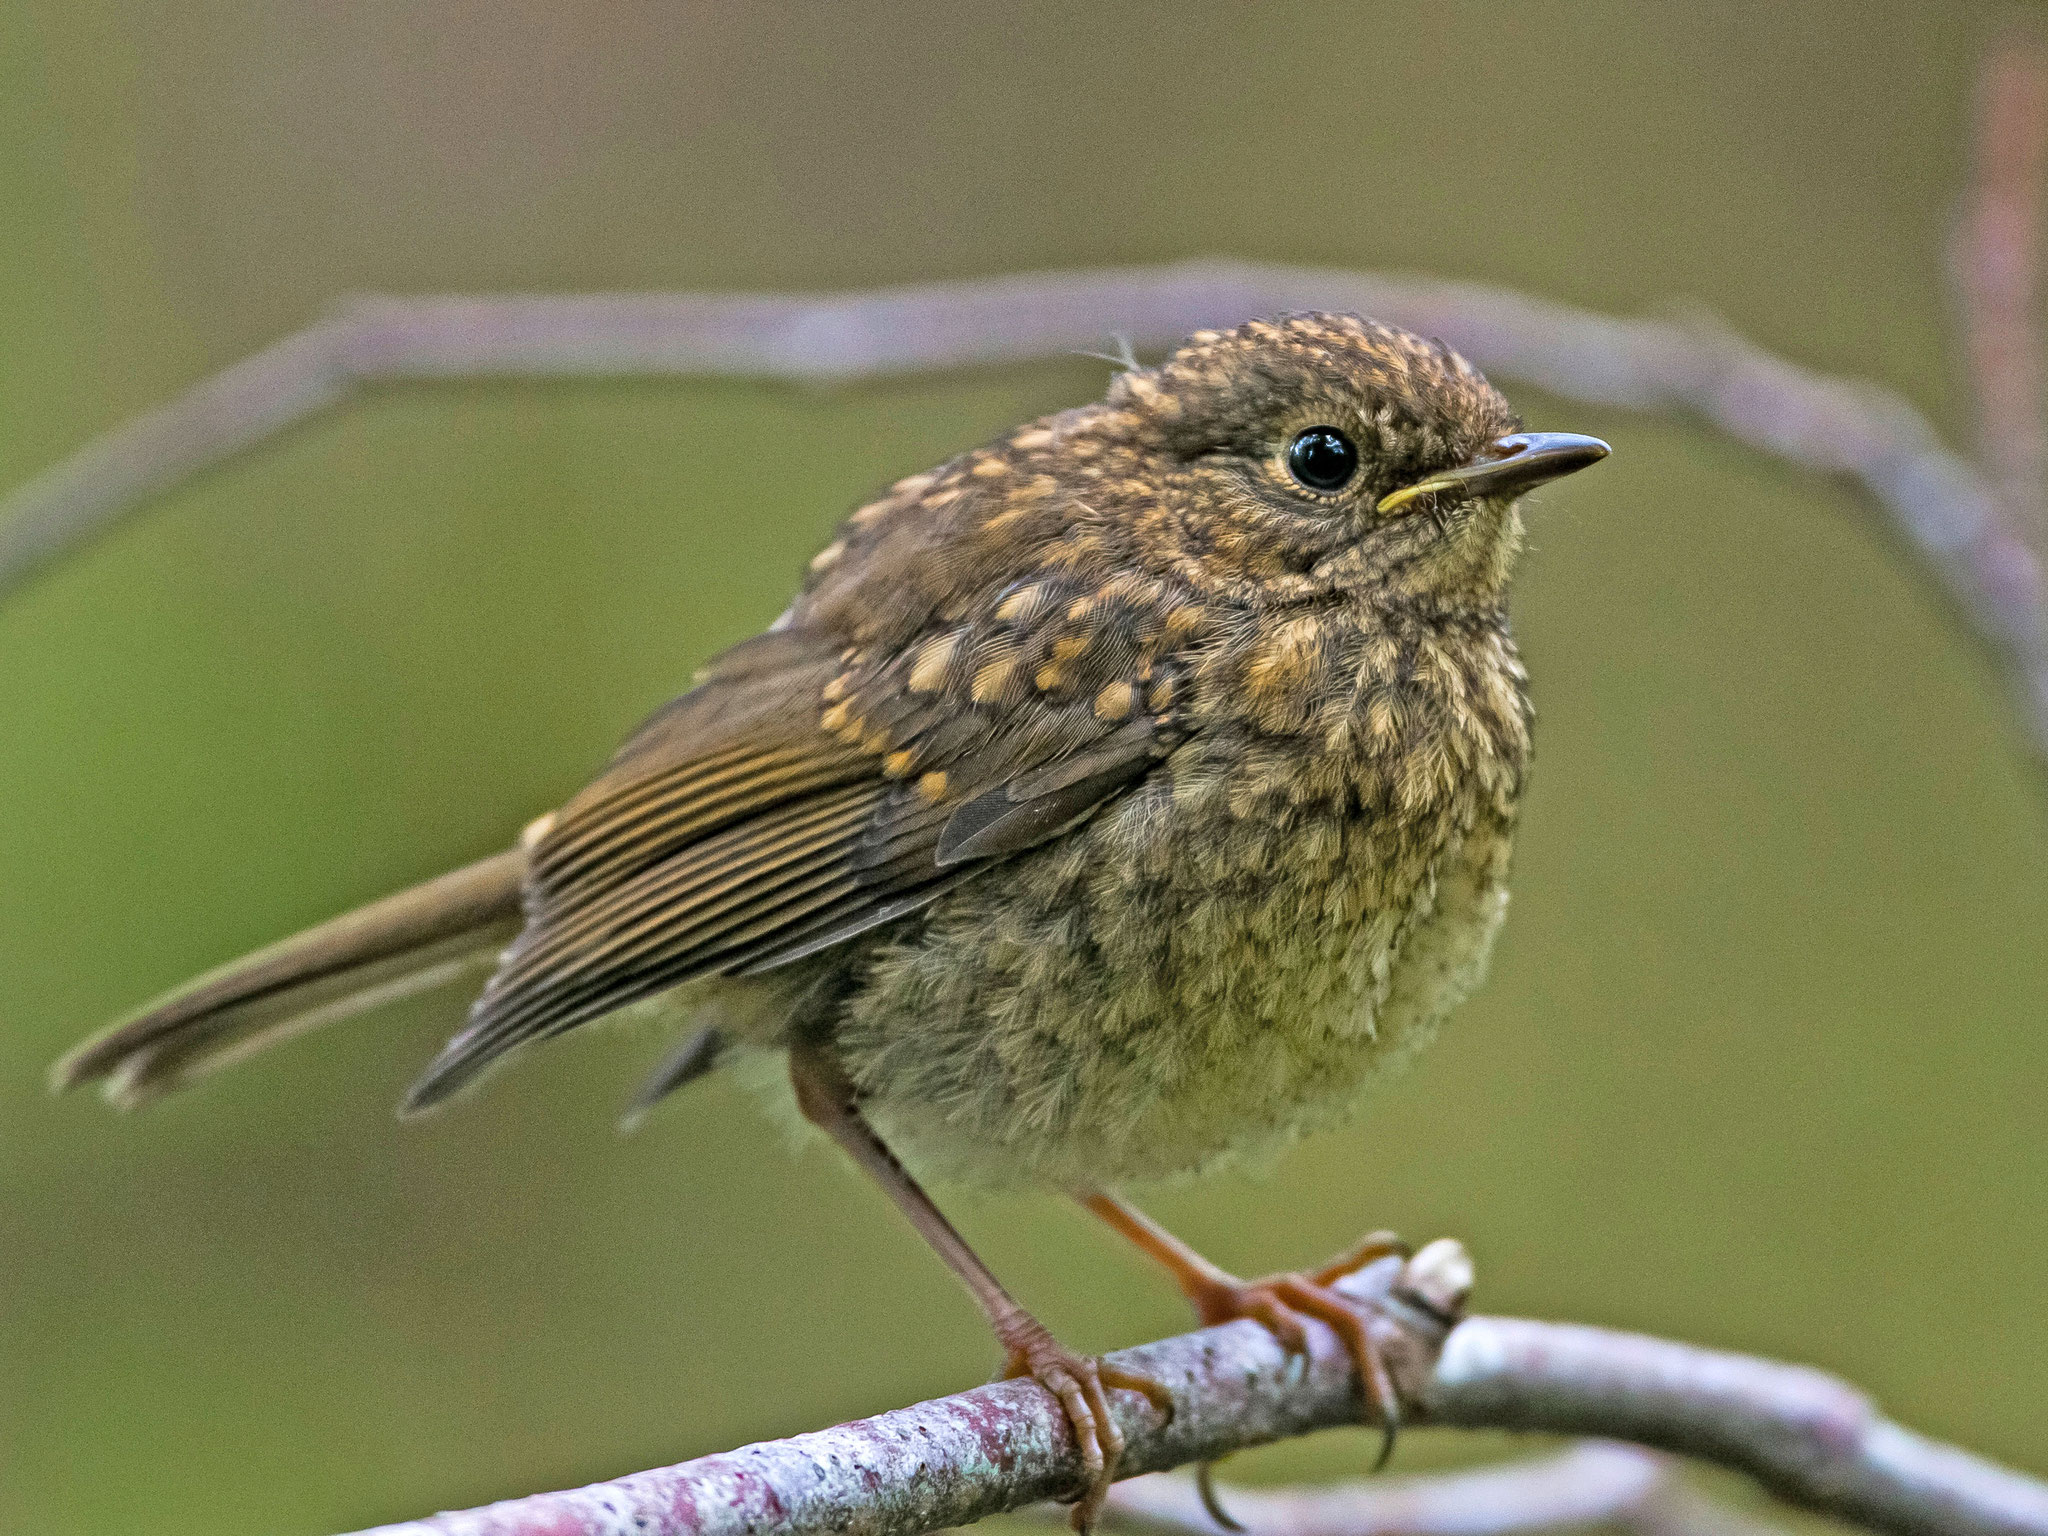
1211 965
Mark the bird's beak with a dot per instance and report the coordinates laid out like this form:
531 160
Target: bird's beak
1507 466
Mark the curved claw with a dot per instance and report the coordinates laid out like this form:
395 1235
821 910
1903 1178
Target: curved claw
1130 1381
1280 1302
1081 1384
1347 1319
1205 1488
1389 1402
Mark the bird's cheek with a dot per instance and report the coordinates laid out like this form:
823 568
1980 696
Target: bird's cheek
1228 532
1468 549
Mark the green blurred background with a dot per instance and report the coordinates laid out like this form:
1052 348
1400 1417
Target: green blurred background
1762 1063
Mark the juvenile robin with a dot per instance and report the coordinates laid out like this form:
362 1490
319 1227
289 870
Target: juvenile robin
1114 800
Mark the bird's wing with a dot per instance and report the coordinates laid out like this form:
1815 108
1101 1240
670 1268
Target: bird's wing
807 791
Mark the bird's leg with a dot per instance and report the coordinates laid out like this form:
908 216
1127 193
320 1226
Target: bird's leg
1280 1301
1080 1382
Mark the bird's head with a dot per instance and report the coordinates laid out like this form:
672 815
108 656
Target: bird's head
1282 462
1325 452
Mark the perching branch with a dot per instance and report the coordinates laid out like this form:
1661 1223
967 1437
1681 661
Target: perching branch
1808 1437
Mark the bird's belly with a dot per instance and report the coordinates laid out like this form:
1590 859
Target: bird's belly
1129 1006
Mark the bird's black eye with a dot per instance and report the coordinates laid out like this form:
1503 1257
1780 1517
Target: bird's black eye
1322 458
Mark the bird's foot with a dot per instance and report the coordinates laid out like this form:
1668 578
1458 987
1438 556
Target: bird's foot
1081 1383
1280 1302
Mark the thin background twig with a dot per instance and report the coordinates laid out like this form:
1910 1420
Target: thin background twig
1995 268
1937 504
1593 1483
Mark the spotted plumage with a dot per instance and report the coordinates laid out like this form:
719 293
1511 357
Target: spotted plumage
1113 800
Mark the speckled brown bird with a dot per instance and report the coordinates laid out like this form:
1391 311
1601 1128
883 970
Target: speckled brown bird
1114 800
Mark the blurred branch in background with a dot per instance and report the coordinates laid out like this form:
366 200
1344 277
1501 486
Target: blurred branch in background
1975 528
1596 1483
1995 264
1941 508
1809 1438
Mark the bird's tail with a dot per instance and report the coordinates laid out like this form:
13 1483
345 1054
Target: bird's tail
390 949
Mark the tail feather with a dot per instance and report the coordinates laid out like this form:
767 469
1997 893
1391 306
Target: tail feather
390 949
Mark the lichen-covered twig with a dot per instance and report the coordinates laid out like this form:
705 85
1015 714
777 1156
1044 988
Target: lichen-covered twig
1808 1437
1811 1439
1001 1447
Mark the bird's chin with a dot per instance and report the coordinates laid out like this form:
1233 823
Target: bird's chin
1464 551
